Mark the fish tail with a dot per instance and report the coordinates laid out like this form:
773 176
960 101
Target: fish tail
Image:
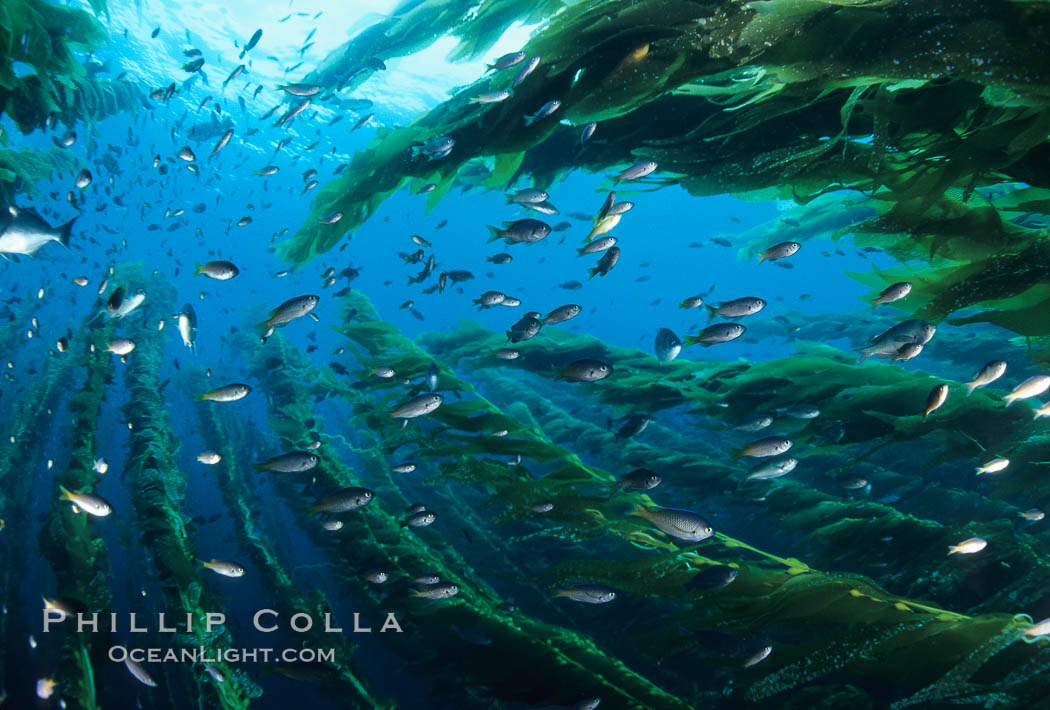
1009 400
738 453
864 355
66 495
925 416
313 509
200 269
259 467
561 592
494 233
711 312
762 257
692 340
529 120
64 232
640 511
593 272
558 374
952 549
970 387
200 397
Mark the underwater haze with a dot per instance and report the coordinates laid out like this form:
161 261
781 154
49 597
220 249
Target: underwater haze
521 354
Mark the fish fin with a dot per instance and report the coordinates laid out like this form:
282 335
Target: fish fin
1009 401
593 272
199 397
970 387
495 233
762 257
640 511
200 269
529 120
737 453
711 312
692 340
66 495
64 231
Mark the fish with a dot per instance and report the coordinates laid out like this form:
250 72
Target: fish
227 393
209 457
441 590
87 502
418 406
343 501
24 232
524 71
640 479
434 149
988 374
584 370
779 251
224 567
223 141
530 195
605 224
492 97
562 314
889 342
994 466
936 399
606 263
598 245
218 270
637 171
508 60
772 469
737 308
587 132
363 121
139 673
968 546
419 519
1032 387
587 593
256 36
680 524
234 74
83 179
714 334
522 231
543 112
667 345
121 346
301 90
767 446
290 310
187 326
291 462
892 293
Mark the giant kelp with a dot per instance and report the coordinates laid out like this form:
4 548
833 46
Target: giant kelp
25 430
567 662
71 541
771 593
221 430
910 101
158 494
413 26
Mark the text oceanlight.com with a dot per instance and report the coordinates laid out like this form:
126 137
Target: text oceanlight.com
199 654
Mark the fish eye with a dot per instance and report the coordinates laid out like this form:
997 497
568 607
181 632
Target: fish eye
708 530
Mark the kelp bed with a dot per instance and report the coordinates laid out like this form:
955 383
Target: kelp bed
931 117
838 638
937 112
